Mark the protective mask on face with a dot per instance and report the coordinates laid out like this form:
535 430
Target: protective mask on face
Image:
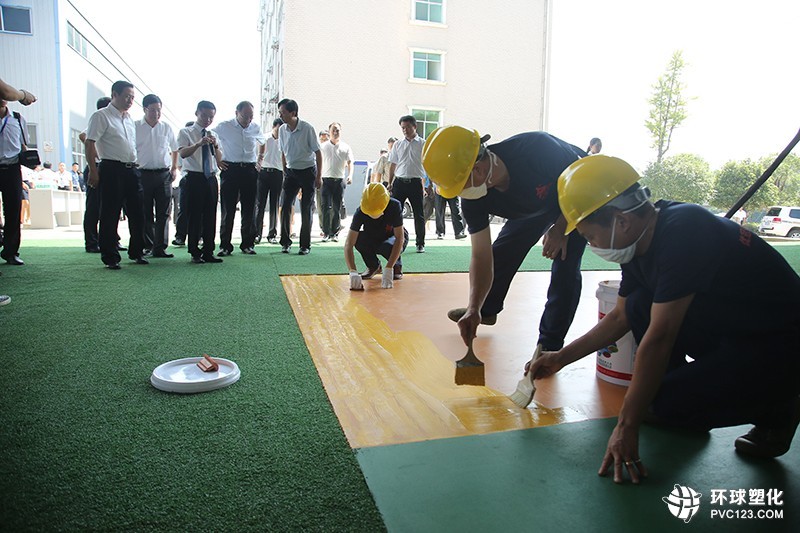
472 192
621 255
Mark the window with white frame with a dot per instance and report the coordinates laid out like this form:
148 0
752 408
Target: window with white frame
78 149
427 65
427 120
33 137
429 11
15 19
76 41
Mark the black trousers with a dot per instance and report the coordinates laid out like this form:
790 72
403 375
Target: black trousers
293 182
11 189
238 184
157 191
332 192
270 181
181 216
369 248
750 379
513 243
455 214
91 216
120 185
202 194
411 189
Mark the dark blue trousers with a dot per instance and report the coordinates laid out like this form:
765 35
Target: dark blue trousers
752 379
513 243
369 248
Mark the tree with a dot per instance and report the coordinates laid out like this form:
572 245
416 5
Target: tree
786 178
733 180
683 177
668 106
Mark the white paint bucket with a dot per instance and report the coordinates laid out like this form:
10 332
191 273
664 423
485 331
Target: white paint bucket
615 362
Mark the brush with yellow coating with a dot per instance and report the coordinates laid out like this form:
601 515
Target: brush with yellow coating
523 396
470 369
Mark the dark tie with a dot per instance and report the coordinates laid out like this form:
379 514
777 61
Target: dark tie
206 157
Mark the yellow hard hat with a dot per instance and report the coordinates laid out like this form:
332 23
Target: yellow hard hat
374 200
590 183
448 157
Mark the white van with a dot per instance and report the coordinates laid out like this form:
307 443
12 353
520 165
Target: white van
781 221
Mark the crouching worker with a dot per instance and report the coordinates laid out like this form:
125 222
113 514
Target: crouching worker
381 218
690 283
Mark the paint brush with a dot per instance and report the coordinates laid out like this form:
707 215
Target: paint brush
523 396
470 369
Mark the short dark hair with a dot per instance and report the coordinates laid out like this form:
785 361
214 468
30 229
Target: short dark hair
150 99
290 105
337 123
277 122
244 103
103 102
408 118
47 164
391 140
75 163
205 104
120 86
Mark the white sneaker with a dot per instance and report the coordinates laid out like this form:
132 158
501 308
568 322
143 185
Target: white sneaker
5 299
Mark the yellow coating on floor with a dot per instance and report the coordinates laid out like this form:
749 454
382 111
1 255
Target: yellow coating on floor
392 387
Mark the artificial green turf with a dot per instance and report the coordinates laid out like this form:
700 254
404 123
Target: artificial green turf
89 444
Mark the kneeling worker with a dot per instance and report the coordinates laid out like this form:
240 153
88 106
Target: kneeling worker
690 281
381 218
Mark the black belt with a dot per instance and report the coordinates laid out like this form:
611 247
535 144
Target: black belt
239 164
126 165
8 165
154 169
332 178
406 179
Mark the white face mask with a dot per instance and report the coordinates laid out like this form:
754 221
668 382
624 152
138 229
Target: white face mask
472 192
619 255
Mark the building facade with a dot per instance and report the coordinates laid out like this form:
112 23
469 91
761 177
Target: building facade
49 48
365 64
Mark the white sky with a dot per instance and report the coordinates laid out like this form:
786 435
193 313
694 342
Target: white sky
742 72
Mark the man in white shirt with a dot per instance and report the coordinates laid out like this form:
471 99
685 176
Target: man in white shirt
11 144
64 178
336 155
243 144
270 181
200 151
300 153
91 215
112 134
406 172
157 153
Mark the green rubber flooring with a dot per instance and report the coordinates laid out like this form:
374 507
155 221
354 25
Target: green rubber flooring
545 479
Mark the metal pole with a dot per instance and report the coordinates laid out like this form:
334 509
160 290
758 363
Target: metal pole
764 177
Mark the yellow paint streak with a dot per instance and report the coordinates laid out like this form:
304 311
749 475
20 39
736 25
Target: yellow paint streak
390 387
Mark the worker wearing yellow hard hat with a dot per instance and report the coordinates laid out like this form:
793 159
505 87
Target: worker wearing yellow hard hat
690 283
514 179
376 229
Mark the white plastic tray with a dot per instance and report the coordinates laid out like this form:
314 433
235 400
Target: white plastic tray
185 377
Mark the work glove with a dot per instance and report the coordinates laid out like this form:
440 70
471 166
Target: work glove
387 281
355 282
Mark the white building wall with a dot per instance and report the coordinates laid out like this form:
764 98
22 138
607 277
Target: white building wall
351 62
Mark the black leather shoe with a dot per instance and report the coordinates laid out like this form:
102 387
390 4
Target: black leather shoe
304 251
178 242
147 252
223 253
370 273
272 240
198 260
770 442
248 251
113 266
286 249
212 259
397 272
15 261
257 240
93 250
121 248
164 254
420 249
456 314
461 236
141 261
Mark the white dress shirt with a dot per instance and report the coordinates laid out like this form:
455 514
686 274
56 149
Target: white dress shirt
189 136
154 145
272 155
239 145
11 138
299 146
334 157
407 155
114 133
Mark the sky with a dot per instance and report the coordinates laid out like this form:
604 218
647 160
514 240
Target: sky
741 77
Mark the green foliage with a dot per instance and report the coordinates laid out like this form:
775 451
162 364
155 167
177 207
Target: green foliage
683 177
786 178
668 106
733 180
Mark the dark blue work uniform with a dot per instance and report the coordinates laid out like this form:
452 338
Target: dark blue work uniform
742 328
377 235
534 161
